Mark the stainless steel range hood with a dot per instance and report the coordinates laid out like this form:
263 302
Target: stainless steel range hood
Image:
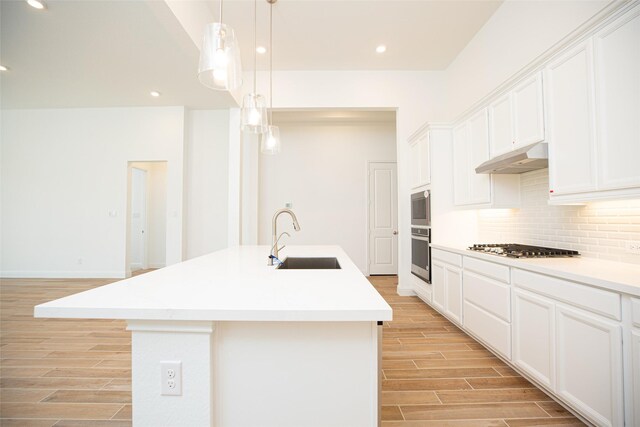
528 158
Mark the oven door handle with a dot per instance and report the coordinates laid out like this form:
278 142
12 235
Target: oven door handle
419 237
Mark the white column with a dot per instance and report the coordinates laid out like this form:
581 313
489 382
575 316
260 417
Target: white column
191 344
250 188
235 178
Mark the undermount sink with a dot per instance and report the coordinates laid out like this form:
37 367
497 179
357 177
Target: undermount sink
294 263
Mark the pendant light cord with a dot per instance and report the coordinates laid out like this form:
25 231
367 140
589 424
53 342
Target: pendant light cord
271 64
220 12
255 43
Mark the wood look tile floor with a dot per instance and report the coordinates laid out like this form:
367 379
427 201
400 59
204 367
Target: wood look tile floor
76 373
436 375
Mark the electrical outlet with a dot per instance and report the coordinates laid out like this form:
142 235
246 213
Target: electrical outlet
633 247
171 378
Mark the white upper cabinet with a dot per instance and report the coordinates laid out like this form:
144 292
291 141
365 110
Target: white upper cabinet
570 122
528 111
470 149
501 125
420 161
461 164
592 96
478 150
617 71
517 117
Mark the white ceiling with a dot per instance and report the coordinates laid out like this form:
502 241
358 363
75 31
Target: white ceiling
93 53
343 34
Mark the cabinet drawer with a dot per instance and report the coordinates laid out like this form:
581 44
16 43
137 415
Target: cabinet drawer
493 331
592 299
493 270
448 257
488 294
635 310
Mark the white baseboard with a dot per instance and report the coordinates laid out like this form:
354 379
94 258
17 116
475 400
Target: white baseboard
114 274
405 292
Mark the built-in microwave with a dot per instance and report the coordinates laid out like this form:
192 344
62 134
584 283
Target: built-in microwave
421 209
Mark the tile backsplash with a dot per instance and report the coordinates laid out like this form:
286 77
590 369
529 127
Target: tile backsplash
598 230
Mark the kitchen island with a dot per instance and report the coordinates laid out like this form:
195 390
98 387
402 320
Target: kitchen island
255 345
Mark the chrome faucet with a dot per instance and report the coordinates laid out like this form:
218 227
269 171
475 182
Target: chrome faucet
274 232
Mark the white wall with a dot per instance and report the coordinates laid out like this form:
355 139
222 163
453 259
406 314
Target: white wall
517 33
597 230
65 170
206 181
416 96
322 170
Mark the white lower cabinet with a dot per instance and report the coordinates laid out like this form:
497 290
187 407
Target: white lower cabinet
534 336
453 292
635 345
634 379
487 305
438 272
589 365
566 336
446 282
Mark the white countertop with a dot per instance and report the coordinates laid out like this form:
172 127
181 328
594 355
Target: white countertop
234 284
616 276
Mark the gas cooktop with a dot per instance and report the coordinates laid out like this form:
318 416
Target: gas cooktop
522 251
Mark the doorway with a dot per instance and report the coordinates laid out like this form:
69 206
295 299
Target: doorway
138 218
383 218
146 216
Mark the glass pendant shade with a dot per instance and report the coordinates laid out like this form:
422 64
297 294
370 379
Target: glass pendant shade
254 113
220 67
270 140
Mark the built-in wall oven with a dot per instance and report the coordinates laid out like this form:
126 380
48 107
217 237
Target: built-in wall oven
421 253
421 209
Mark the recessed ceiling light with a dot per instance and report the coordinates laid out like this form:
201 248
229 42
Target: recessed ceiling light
154 93
38 4
3 68
261 49
381 49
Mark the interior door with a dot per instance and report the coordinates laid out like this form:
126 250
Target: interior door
383 218
138 258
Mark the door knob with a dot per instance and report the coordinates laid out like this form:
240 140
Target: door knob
395 232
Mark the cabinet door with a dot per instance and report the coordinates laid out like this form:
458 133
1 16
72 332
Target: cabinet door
501 125
438 278
414 164
461 165
570 122
528 111
635 338
453 293
425 160
479 184
617 75
589 365
534 336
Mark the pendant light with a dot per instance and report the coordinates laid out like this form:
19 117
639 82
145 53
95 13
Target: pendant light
220 67
270 141
254 109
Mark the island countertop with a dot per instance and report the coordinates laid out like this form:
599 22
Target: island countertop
233 284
